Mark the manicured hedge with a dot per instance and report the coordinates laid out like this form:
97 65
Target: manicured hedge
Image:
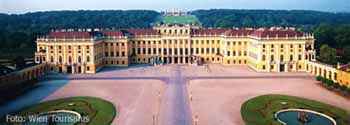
331 84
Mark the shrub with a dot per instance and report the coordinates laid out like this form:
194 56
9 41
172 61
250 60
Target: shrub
324 80
328 82
336 85
343 88
318 78
347 91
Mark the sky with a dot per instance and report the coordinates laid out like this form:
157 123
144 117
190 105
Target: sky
24 6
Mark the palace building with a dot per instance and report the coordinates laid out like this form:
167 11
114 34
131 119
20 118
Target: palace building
264 50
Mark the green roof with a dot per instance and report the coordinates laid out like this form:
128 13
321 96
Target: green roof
188 19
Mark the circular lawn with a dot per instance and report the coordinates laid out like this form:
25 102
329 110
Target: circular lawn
93 111
261 110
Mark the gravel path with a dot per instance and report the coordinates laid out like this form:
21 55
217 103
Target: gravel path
174 108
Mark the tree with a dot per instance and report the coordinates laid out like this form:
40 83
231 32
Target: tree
328 54
19 62
346 56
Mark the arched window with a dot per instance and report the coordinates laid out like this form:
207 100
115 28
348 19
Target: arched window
60 59
51 59
88 58
263 57
281 58
79 59
69 59
291 57
272 58
299 57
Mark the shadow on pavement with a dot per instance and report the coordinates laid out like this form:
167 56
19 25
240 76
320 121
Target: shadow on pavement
118 68
33 96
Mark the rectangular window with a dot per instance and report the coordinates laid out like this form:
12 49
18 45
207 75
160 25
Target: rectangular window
133 50
164 51
123 54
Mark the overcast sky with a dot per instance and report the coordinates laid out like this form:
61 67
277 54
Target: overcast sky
23 6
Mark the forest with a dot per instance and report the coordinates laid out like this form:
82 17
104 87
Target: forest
19 31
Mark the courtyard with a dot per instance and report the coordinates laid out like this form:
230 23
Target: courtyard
177 94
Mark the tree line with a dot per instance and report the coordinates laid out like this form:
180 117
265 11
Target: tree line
304 19
19 31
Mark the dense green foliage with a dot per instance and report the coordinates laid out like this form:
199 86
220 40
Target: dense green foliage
335 36
226 18
328 54
260 110
331 84
20 31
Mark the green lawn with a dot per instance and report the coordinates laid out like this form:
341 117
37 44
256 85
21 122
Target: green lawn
260 110
100 112
189 19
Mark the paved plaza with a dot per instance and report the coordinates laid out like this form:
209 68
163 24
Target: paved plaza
178 94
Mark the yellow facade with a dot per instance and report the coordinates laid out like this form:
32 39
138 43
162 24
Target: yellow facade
343 77
273 51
